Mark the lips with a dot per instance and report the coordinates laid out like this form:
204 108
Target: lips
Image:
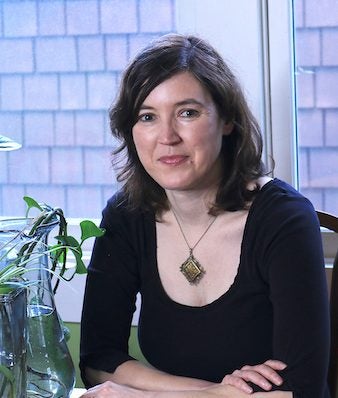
173 159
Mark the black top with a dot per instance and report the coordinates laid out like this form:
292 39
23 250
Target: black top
277 307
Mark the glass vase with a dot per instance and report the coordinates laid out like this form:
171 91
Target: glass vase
50 370
13 319
13 344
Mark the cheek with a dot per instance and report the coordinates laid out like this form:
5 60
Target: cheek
209 139
135 136
138 140
208 151
142 148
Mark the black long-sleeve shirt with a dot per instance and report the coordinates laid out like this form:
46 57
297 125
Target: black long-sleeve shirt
277 307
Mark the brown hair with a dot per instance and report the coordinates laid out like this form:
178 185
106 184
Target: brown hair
241 150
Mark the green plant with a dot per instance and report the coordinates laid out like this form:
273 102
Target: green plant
13 274
11 277
10 380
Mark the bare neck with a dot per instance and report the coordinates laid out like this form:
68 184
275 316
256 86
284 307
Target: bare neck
192 208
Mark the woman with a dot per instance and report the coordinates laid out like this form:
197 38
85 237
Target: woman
228 261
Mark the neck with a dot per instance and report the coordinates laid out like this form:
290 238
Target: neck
191 208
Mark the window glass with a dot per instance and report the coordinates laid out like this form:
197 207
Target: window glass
316 43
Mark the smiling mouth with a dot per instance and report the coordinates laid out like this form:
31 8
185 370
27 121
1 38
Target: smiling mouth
173 160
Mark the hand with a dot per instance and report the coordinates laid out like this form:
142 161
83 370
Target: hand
112 390
262 375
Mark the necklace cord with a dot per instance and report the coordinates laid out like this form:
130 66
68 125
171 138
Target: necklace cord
191 248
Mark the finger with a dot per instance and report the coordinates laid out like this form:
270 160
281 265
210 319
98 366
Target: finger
254 377
266 372
276 364
238 383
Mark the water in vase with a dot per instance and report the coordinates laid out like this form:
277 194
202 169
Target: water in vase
50 370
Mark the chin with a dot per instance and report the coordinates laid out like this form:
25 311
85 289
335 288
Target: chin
180 182
179 186
173 183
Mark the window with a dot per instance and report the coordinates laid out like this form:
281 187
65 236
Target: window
303 68
316 43
302 85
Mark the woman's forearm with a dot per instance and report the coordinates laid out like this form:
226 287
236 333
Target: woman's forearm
154 383
110 389
137 375
223 391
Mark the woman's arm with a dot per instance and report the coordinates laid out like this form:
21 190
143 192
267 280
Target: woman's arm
295 275
149 379
144 378
113 390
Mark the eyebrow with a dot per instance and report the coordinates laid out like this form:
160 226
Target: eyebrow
187 101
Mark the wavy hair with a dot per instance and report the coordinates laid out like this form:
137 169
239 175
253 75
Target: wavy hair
241 151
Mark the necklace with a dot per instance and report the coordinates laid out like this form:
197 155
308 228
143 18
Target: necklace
191 268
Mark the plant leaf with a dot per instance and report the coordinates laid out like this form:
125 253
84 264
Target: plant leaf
90 230
31 203
10 272
6 288
80 266
68 240
7 373
58 253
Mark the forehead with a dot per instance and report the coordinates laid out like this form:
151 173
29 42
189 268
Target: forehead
180 86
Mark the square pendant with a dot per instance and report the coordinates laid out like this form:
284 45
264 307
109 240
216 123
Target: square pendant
192 270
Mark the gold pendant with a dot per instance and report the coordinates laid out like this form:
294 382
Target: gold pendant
192 270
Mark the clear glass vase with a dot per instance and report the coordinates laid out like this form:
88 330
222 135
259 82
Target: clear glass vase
13 344
50 370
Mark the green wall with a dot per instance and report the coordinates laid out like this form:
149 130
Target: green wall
74 342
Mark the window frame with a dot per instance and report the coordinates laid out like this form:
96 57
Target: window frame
280 99
280 89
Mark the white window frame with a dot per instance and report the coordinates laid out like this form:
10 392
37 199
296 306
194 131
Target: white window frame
280 110
280 107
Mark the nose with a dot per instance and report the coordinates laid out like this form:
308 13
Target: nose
168 133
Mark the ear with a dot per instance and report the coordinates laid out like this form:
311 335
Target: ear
227 128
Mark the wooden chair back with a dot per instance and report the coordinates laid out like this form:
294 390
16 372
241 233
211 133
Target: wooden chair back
330 222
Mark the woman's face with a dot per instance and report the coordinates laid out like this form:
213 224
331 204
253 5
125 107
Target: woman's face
178 135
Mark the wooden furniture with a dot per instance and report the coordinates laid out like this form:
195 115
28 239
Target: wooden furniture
330 222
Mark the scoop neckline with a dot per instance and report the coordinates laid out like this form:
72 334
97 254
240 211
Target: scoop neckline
163 295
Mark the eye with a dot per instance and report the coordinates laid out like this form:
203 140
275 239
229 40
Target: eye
146 117
189 113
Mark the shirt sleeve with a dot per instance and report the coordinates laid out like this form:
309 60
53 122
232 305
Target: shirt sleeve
110 295
295 275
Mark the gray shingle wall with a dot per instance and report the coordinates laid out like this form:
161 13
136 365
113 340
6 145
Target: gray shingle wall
60 66
317 87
